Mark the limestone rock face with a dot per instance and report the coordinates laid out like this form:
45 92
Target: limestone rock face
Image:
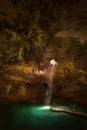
35 32
22 91
68 84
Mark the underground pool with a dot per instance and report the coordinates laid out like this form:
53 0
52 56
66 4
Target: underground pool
37 116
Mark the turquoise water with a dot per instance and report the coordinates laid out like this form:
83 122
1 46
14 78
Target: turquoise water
33 117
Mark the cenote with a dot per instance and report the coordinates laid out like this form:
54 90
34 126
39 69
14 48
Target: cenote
35 116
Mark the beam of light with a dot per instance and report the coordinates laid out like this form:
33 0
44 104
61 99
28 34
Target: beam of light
53 62
46 107
50 81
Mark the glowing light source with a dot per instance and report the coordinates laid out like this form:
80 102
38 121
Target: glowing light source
53 62
46 107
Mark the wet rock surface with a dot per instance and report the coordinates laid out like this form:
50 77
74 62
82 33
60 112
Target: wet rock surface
19 84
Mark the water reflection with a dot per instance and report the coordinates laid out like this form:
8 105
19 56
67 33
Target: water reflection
27 117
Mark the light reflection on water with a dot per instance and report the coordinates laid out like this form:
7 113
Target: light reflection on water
27 117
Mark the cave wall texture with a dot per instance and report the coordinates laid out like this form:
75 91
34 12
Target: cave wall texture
32 32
